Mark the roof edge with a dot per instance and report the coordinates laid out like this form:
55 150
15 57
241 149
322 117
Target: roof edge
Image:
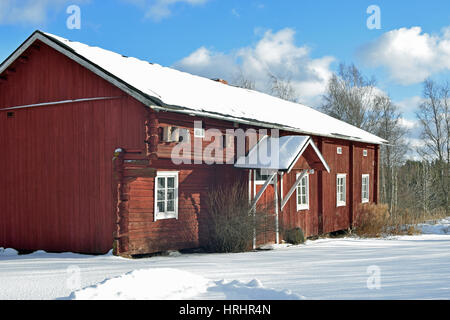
147 100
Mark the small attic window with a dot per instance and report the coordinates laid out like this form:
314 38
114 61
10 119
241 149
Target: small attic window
199 129
365 153
339 150
10 115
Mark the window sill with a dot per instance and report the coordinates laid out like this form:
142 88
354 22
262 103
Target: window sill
166 217
260 183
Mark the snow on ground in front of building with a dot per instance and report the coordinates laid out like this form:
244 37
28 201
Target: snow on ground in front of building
173 284
149 284
409 267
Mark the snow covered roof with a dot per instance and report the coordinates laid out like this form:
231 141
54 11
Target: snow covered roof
168 89
281 154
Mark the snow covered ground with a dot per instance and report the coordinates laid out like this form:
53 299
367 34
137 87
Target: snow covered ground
406 267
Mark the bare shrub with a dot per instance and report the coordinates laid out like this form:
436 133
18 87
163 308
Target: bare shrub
232 225
371 220
375 221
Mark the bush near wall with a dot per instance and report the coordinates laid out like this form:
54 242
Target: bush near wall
374 220
294 236
232 225
371 220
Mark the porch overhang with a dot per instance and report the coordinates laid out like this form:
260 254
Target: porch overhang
280 154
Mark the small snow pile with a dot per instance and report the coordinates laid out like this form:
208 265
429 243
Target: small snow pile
8 252
440 227
253 290
146 284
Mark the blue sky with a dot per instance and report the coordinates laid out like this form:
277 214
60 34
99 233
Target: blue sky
300 40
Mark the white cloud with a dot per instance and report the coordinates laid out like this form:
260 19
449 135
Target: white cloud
158 10
409 105
410 55
207 63
408 124
29 11
276 53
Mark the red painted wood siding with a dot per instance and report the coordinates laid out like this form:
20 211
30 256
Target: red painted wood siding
56 168
56 163
334 218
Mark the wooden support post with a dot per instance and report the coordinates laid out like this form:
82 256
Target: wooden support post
351 186
376 163
277 221
253 211
320 192
152 136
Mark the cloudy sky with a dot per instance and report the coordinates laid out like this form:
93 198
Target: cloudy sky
303 41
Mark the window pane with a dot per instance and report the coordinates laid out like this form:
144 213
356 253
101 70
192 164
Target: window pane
171 182
170 194
161 183
161 206
161 195
170 206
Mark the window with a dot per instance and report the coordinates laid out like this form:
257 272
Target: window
261 176
341 190
365 153
303 193
365 188
166 195
199 132
339 150
199 129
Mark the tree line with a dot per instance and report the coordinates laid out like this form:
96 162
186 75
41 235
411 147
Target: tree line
414 179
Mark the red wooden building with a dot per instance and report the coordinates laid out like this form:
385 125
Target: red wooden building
91 144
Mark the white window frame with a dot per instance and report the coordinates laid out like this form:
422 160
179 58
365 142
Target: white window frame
166 215
261 182
339 202
303 206
365 199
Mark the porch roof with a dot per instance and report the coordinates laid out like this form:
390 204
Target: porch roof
281 154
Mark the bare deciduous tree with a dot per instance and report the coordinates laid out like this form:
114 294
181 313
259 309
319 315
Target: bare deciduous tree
433 116
242 81
392 154
282 88
350 97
